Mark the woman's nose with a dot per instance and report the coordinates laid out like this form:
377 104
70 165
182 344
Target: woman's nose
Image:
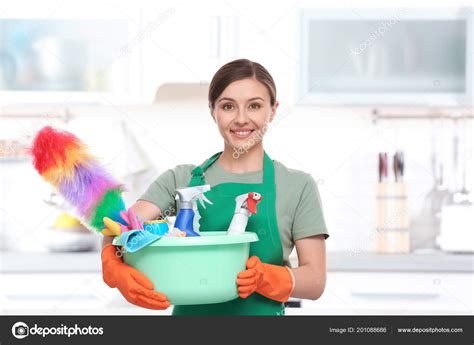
242 116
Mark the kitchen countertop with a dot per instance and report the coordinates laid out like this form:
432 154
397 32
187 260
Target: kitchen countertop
432 262
18 262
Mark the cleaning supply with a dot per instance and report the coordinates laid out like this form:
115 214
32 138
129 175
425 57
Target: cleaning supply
157 227
269 247
132 284
113 228
134 240
176 233
129 221
63 161
187 208
194 270
245 206
272 281
135 235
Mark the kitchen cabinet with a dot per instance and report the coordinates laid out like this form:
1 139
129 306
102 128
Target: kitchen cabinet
64 294
424 58
169 42
95 58
363 284
402 293
346 293
181 46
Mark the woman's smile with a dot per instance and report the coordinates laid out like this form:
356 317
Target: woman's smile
242 133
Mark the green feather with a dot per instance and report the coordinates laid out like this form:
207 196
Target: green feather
109 206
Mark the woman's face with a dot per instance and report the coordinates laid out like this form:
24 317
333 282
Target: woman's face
242 113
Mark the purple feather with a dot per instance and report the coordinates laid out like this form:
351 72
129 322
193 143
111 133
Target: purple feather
89 183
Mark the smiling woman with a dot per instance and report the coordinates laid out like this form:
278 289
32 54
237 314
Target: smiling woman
242 102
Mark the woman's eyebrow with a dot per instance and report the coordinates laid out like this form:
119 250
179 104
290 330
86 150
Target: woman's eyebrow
233 100
225 99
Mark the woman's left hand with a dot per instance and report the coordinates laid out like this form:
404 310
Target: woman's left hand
272 281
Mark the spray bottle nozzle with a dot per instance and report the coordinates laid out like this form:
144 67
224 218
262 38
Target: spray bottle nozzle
248 201
188 195
188 206
245 206
252 201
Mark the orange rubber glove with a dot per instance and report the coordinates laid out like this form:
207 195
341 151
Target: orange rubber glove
133 285
272 281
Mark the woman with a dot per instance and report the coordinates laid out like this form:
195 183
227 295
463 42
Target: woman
242 102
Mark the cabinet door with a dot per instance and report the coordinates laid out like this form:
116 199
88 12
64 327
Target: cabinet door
64 294
390 56
186 43
69 53
353 293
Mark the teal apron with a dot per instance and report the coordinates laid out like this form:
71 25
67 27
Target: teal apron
217 217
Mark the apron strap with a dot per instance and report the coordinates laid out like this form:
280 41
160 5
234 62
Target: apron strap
198 178
268 169
197 173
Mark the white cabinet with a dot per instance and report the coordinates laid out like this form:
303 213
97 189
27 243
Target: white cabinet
186 43
70 53
64 294
346 293
423 60
414 293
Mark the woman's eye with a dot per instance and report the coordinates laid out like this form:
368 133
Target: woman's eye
227 106
254 106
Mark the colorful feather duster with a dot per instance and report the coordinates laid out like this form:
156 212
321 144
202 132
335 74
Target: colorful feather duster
63 161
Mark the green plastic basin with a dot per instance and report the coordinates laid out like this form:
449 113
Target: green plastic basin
194 270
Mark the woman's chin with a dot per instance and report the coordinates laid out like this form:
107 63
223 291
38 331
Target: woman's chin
241 148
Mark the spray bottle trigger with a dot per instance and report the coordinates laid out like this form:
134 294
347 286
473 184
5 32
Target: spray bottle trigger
203 198
206 199
252 206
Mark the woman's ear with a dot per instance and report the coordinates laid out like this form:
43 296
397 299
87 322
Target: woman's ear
211 109
274 109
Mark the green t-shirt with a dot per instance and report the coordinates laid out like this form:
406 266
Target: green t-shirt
298 205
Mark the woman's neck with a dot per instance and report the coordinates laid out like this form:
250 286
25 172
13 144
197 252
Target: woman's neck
236 161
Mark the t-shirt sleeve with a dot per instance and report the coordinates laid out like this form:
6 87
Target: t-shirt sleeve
309 218
162 192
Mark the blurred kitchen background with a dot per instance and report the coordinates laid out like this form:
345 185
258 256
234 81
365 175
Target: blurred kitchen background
375 102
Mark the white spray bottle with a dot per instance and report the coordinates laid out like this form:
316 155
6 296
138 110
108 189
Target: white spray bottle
246 205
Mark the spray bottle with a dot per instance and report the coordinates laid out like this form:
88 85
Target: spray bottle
246 205
187 206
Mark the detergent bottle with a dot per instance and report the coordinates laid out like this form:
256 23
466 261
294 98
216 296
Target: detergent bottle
246 205
187 207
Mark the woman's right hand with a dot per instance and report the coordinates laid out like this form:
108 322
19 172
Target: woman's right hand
133 285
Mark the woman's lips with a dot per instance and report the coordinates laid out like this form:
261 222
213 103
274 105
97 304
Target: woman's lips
242 133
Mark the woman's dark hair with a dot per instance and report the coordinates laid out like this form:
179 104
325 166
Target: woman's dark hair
237 70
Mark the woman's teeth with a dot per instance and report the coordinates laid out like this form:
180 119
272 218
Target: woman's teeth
242 134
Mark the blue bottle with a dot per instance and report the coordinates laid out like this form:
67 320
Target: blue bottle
187 206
